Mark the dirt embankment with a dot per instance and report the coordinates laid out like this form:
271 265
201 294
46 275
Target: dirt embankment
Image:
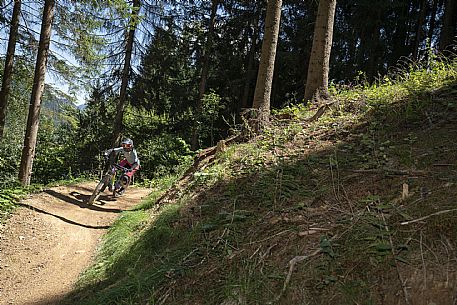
46 244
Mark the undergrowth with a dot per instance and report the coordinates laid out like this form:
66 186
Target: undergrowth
356 208
8 199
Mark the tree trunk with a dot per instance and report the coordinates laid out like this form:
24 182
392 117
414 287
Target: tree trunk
317 80
120 109
431 28
375 52
449 24
410 25
250 67
8 71
28 151
204 75
399 43
419 29
264 82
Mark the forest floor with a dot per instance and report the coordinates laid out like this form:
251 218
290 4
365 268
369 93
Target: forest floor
48 242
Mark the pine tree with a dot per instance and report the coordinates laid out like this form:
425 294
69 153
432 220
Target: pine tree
117 129
204 73
250 73
264 82
28 151
8 70
449 30
318 70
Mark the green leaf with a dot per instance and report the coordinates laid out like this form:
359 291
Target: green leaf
383 207
402 247
381 247
405 216
326 246
208 227
401 259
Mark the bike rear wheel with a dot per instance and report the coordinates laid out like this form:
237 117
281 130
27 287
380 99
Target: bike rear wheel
96 192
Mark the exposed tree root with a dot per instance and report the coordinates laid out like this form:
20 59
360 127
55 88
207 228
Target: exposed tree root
203 159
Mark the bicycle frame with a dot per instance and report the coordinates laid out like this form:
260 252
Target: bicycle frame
107 181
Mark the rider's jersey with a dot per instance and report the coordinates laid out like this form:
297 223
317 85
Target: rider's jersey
130 156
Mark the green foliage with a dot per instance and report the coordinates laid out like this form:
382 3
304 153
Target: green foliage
165 83
16 115
162 155
211 113
11 195
161 150
231 216
8 199
56 155
296 111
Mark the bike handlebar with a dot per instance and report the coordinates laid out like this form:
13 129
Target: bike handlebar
125 169
117 166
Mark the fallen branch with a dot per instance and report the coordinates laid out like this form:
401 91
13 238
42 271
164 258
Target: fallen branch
390 172
426 217
269 237
292 263
320 112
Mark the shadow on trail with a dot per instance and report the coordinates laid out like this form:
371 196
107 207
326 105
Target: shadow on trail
103 199
83 188
53 300
80 200
63 218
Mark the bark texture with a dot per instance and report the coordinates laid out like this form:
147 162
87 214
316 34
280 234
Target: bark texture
9 61
264 82
317 80
120 109
33 119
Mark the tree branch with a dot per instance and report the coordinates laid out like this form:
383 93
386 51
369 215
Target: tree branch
428 216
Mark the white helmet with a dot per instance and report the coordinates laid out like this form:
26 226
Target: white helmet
127 144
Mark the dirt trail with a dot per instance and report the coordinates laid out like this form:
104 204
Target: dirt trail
46 244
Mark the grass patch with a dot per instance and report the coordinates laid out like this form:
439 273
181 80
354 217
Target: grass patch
8 199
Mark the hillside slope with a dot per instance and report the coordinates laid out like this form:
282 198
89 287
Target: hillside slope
356 208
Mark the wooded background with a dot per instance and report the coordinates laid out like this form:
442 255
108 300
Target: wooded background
175 75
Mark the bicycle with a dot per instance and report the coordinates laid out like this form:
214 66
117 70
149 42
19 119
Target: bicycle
107 181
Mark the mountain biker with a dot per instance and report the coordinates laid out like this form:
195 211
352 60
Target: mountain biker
130 161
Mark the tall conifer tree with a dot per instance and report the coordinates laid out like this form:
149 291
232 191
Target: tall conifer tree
250 72
264 83
120 109
28 151
9 61
204 72
449 30
318 70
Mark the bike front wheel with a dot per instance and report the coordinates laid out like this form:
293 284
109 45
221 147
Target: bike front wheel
96 192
